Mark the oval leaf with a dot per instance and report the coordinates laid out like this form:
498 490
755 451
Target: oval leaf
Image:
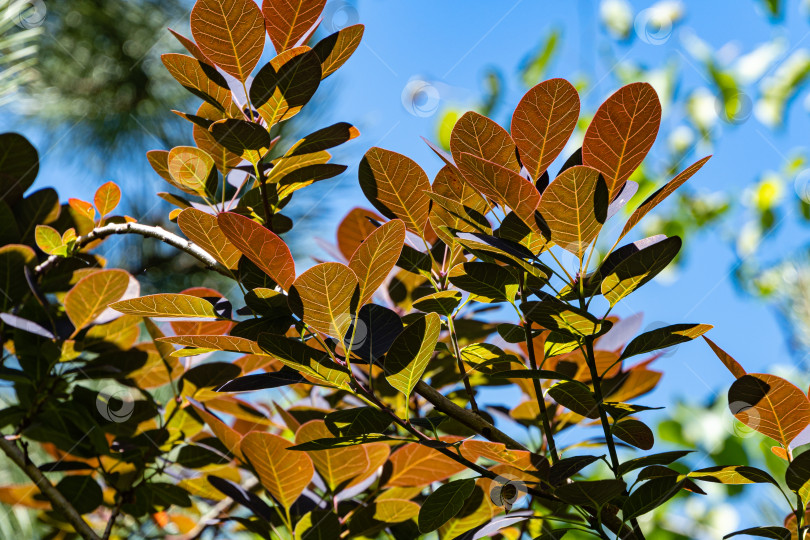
410 353
377 256
92 294
284 473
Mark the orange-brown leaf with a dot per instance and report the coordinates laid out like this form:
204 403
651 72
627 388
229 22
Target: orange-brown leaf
261 246
653 200
483 138
569 208
199 78
325 293
354 229
107 198
284 473
397 187
287 21
224 159
202 229
542 123
418 465
202 327
230 33
376 257
226 434
92 294
732 365
771 405
621 133
503 185
336 466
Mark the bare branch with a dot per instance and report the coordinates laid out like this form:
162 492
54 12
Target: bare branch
58 501
149 231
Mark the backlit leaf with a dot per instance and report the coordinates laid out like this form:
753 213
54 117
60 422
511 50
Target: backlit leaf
483 138
202 229
305 359
285 84
650 495
397 187
797 475
107 198
595 493
415 464
444 503
542 123
337 466
288 21
284 473
575 396
574 207
376 257
246 139
190 168
19 165
770 405
653 200
634 432
190 46
664 337
335 49
621 133
261 246
410 353
215 343
318 525
639 268
456 205
733 475
226 434
503 185
442 302
92 294
167 305
556 315
357 421
488 282
324 139
733 366
776 533
230 33
325 298
48 239
199 78
224 159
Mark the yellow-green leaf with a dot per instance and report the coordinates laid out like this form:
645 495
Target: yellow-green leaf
324 298
167 305
190 167
410 353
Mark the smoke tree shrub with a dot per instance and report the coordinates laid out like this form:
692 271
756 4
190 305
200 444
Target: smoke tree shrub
377 427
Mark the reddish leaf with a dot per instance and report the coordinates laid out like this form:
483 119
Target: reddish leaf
190 46
483 138
92 294
261 246
199 78
542 123
418 465
355 228
287 21
621 133
733 366
230 33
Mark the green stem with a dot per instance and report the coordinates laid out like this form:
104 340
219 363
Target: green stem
461 370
